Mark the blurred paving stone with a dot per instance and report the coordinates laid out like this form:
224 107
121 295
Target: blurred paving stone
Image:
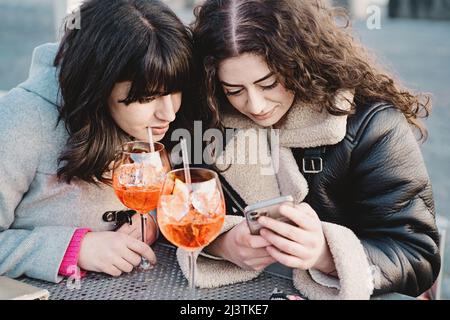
24 25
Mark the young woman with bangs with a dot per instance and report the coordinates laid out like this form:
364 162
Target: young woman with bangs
122 72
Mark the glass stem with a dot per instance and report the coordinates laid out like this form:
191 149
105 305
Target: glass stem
192 289
145 264
144 226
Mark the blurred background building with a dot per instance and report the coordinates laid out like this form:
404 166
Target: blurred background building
412 42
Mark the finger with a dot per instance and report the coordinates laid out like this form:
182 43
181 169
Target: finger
126 229
255 242
123 265
287 246
142 249
300 216
310 213
254 253
284 229
259 264
134 231
305 207
285 259
136 234
112 271
131 257
152 231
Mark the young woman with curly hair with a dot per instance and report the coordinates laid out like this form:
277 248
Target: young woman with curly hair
364 220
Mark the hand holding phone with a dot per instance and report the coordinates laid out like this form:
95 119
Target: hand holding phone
268 208
301 245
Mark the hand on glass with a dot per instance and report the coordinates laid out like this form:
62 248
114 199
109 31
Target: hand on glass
300 246
243 249
112 253
134 230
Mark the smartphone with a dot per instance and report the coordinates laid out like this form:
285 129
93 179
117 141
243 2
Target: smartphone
268 208
11 289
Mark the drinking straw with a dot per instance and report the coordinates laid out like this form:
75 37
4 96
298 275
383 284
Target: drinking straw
150 139
187 172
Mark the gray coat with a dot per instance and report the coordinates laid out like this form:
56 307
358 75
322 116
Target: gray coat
39 213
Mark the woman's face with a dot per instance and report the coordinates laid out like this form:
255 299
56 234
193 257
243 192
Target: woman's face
254 90
135 118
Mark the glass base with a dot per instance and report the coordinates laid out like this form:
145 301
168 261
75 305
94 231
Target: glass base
145 265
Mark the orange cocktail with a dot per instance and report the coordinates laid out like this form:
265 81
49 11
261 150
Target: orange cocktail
138 176
141 199
195 230
191 216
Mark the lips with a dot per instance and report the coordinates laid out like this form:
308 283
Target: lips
160 130
263 116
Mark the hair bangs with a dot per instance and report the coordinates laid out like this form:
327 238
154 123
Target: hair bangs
161 71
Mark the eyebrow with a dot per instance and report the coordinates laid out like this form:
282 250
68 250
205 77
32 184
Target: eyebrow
256 82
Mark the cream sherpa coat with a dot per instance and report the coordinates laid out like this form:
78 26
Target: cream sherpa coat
304 127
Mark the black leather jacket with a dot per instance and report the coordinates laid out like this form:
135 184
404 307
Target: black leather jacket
375 183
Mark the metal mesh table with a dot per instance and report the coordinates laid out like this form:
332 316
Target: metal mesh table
164 282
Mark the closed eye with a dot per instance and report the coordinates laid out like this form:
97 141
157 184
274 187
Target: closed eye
238 92
141 100
270 87
233 93
148 99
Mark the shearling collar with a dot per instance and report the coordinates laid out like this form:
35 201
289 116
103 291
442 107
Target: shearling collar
304 126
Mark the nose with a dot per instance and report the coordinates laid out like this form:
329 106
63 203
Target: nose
256 101
166 110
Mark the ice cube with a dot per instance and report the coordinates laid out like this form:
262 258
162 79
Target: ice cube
152 158
152 176
206 186
206 202
129 175
174 206
181 188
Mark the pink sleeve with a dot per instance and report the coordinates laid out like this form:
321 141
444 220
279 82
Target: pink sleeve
69 265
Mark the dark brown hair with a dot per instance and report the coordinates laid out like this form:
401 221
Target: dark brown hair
305 44
140 41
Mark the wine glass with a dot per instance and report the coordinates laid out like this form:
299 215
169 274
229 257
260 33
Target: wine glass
191 215
138 176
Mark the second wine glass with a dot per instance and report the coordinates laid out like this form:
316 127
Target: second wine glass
191 214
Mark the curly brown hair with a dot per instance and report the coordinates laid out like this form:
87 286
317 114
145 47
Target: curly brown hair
306 45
